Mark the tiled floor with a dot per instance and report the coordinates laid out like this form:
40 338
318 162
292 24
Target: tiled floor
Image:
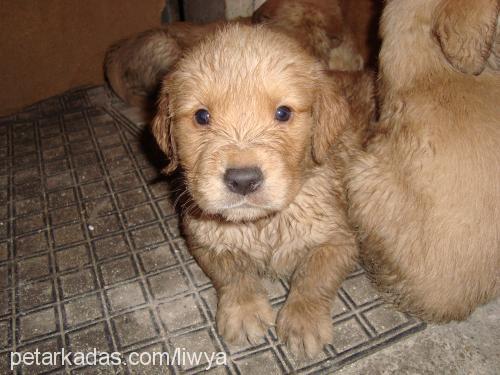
91 256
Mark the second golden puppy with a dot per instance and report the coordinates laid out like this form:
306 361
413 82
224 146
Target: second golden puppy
250 118
425 192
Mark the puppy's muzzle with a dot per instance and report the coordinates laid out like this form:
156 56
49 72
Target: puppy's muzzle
243 181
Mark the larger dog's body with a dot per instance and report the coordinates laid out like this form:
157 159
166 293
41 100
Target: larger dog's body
426 193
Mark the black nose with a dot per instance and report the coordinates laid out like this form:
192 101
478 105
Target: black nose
243 181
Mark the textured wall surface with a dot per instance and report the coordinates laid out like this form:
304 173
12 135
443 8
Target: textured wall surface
51 45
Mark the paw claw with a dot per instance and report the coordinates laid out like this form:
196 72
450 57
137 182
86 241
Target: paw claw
305 330
241 323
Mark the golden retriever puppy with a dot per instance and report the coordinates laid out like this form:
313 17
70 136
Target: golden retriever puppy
251 119
335 31
425 193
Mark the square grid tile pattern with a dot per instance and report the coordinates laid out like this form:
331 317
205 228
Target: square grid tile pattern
91 256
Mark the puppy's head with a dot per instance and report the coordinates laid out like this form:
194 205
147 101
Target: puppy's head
246 114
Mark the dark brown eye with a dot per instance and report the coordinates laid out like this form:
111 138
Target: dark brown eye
202 117
283 113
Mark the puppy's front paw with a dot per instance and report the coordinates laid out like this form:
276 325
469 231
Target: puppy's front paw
239 322
304 327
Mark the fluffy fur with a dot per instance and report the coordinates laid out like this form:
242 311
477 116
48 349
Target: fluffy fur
336 32
294 226
135 66
425 194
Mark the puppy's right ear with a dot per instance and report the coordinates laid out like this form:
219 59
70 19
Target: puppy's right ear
162 129
465 30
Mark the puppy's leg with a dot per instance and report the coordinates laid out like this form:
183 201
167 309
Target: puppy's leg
304 322
243 309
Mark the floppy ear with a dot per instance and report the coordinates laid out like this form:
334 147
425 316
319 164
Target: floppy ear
331 116
161 128
465 30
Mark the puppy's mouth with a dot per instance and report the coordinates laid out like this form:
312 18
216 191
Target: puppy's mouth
241 205
244 210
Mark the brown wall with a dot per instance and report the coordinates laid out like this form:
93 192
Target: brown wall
48 46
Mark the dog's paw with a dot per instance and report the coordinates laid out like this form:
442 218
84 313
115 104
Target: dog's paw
304 328
241 322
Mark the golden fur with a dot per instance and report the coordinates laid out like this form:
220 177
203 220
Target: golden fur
135 66
425 194
336 32
294 226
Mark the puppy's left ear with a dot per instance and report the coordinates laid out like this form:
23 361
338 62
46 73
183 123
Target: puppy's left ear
161 128
331 117
465 30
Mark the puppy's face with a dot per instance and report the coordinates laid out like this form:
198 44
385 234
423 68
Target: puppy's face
246 114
